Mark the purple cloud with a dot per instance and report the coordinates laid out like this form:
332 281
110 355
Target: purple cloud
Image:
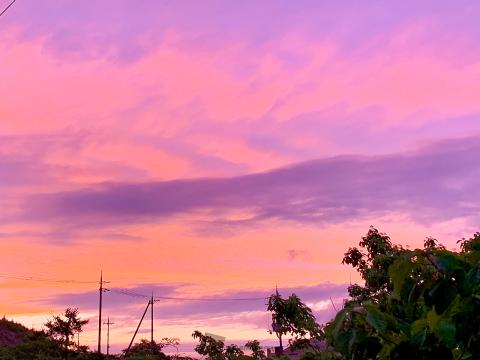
125 31
321 191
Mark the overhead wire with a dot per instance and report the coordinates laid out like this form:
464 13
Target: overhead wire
129 292
139 295
43 279
8 7
209 299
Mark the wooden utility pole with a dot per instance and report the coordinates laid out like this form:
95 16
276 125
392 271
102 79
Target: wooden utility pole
152 344
100 290
108 323
100 314
151 338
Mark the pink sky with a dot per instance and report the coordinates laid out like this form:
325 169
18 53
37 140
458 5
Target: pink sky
214 149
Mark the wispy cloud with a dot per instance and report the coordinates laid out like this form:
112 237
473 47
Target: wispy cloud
322 191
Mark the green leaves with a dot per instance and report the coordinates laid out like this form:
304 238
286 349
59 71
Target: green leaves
376 319
65 325
338 322
424 302
447 262
443 327
440 296
292 316
446 332
208 346
399 272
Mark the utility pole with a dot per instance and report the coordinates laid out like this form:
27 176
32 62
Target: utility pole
138 327
108 323
152 301
100 290
151 339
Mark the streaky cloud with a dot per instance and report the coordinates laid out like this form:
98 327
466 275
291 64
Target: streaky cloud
434 183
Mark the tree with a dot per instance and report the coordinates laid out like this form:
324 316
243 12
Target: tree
373 267
215 349
63 327
423 303
145 348
232 351
292 316
208 346
166 342
257 352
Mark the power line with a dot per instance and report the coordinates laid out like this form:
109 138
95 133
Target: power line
43 279
210 299
8 7
144 296
128 292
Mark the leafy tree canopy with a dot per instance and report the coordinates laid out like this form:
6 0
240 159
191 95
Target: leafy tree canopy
257 351
216 349
292 316
208 346
423 303
145 349
63 327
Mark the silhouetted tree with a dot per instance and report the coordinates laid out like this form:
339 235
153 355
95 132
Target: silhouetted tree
146 349
292 316
232 351
166 342
257 352
208 346
63 327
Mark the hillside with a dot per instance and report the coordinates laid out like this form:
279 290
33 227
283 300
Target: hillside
12 333
18 343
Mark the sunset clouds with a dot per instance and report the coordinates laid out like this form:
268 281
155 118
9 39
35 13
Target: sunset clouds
204 147
322 191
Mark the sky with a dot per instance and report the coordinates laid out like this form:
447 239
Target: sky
219 149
